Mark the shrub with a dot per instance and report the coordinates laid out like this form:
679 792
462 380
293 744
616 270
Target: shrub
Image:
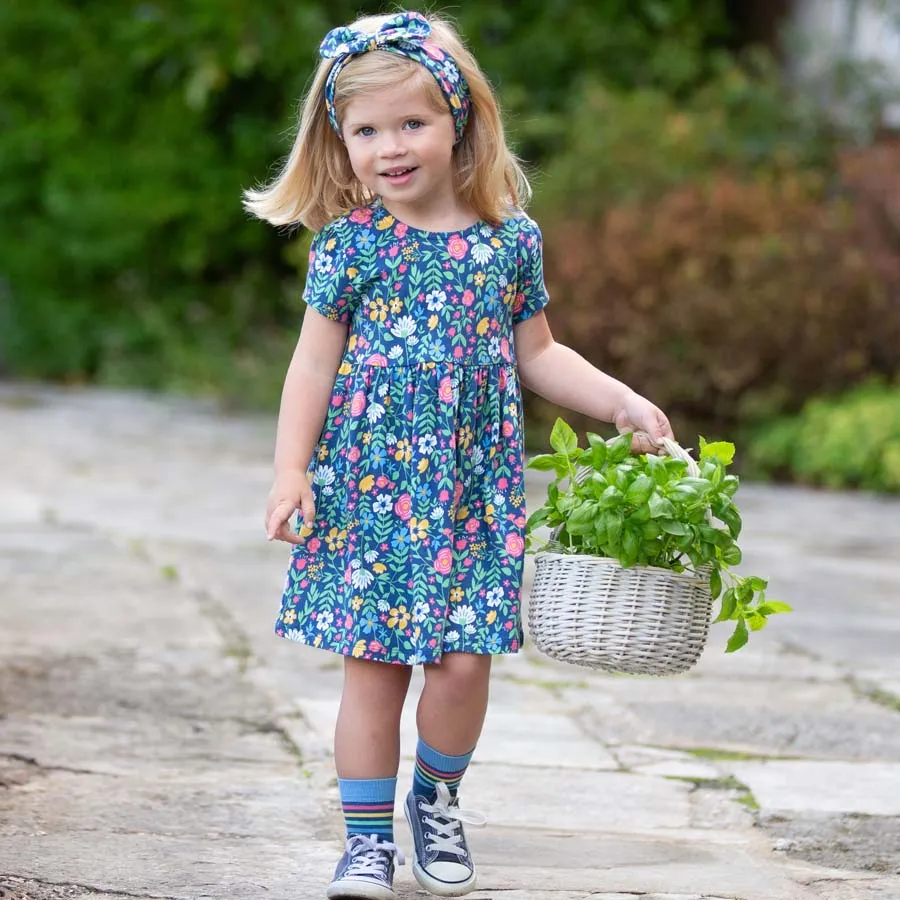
851 440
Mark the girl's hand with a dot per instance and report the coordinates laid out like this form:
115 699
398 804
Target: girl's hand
290 492
648 423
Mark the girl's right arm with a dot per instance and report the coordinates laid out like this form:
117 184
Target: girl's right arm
307 392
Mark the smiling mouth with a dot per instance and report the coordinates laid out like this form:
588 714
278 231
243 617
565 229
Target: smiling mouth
394 173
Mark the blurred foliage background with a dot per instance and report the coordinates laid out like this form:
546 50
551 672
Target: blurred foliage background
713 236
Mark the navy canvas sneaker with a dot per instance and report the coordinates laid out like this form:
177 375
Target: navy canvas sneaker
442 863
366 870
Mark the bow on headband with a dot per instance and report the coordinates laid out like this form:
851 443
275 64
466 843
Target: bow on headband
404 34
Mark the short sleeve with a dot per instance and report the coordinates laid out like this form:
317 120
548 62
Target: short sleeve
334 279
532 296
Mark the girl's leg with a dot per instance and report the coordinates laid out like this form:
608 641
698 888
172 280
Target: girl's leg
450 716
367 744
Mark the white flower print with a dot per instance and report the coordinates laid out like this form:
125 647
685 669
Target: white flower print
502 282
420 613
371 556
415 659
494 345
463 615
486 231
478 460
374 412
383 606
395 352
382 503
482 253
361 578
437 513
427 444
435 300
325 478
494 596
404 327
383 389
295 634
499 500
451 637
324 263
325 621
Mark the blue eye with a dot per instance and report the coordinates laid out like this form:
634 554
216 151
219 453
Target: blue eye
414 124
366 131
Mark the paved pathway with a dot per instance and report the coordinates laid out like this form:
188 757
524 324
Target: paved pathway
156 741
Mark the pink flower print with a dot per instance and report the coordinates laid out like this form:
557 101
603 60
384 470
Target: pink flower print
472 526
445 390
515 545
457 246
400 229
381 481
377 359
508 428
461 544
444 496
361 216
433 51
503 483
358 404
403 507
504 350
401 268
443 561
395 249
313 544
300 563
354 454
468 298
502 380
518 303
348 621
375 646
457 493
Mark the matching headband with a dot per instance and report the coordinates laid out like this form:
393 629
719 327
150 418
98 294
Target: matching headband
404 34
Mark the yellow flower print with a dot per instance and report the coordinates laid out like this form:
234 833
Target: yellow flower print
418 529
367 484
379 568
330 244
336 539
323 452
489 513
496 242
377 309
351 344
289 616
396 305
510 296
456 594
385 223
318 641
478 278
464 437
305 530
403 451
462 513
398 617
345 368
423 464
491 617
359 648
432 322
409 254
482 326
352 272
356 603
367 436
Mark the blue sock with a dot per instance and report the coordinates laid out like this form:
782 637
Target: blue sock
368 805
433 766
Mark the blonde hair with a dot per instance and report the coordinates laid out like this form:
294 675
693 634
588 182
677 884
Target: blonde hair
316 183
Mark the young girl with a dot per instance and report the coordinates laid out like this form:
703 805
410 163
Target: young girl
425 300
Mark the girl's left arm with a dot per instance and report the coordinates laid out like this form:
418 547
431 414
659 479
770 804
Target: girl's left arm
565 378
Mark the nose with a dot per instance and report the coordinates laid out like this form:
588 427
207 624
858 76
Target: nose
392 145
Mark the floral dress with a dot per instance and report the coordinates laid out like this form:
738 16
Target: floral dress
418 541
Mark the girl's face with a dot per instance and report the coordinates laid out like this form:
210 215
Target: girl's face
401 148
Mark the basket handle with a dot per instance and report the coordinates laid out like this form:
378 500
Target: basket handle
676 451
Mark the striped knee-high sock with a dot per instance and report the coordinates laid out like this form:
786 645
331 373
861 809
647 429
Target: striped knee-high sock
433 766
368 805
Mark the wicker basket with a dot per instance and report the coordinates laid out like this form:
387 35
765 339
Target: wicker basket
643 620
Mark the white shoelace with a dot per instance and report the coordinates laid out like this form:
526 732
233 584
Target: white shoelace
446 828
369 856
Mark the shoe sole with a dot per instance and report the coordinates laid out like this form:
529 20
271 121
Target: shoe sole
358 891
439 888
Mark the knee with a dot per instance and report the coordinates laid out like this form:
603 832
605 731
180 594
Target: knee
460 676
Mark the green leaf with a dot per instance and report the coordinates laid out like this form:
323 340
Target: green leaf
598 450
729 605
757 584
543 463
770 607
721 450
731 556
639 491
756 621
619 448
562 438
538 518
661 508
739 638
715 584
672 526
